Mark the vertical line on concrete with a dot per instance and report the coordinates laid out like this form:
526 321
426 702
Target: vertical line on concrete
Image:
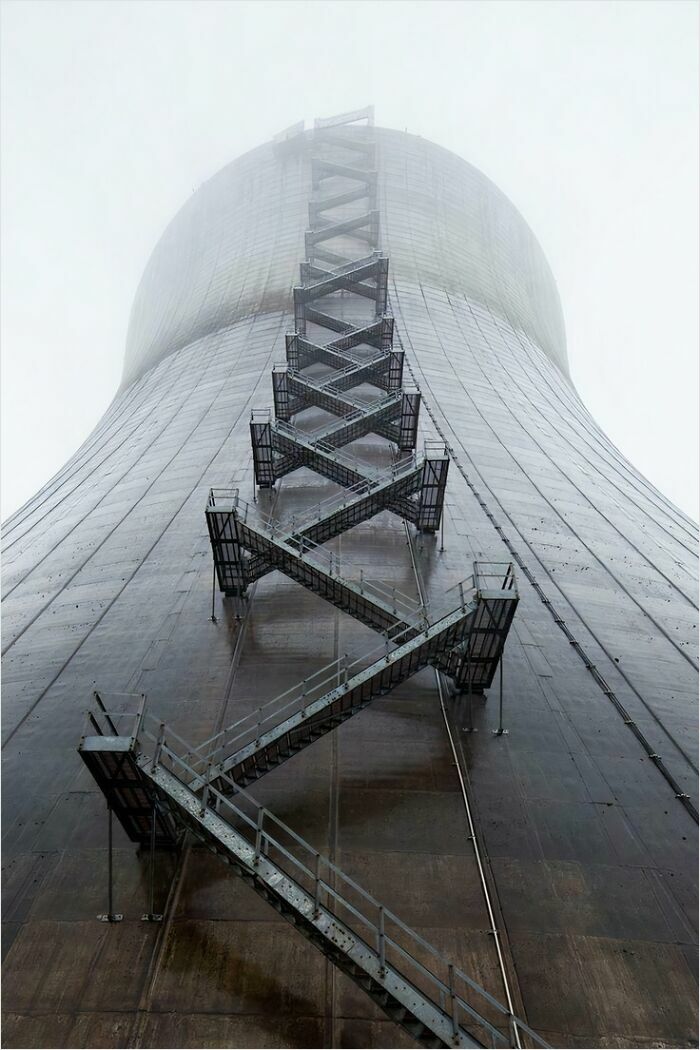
159 948
477 847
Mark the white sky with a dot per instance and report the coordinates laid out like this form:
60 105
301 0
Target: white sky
584 113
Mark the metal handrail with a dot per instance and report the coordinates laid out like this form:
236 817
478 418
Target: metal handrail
309 345
315 514
284 427
391 599
495 576
345 270
327 887
354 414
223 495
315 437
251 727
358 363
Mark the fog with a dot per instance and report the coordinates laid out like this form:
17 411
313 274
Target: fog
584 114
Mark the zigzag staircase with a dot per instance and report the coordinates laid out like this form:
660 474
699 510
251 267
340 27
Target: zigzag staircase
158 785
293 548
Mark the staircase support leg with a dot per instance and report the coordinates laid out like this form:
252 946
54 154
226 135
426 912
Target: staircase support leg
110 916
381 943
500 731
151 915
470 727
213 594
454 1006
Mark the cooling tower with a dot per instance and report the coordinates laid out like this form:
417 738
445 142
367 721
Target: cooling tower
389 654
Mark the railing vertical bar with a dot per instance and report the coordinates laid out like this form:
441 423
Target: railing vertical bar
381 942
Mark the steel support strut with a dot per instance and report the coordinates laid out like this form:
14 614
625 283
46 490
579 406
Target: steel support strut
500 731
343 293
110 915
151 915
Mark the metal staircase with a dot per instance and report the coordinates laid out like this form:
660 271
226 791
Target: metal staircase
157 785
262 740
143 769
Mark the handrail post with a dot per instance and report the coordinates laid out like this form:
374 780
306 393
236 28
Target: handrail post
158 748
102 707
258 836
317 887
205 791
454 1006
469 728
381 943
140 713
500 731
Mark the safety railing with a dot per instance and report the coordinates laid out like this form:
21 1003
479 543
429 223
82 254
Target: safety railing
316 555
313 440
356 264
114 722
336 674
324 381
222 499
353 413
354 358
317 512
250 728
495 576
268 847
435 449
260 415
358 362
